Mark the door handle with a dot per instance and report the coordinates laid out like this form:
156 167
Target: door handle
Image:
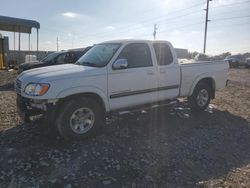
150 73
162 71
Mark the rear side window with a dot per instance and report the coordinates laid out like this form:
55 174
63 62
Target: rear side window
137 54
163 54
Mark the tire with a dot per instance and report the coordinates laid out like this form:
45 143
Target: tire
26 118
71 123
196 103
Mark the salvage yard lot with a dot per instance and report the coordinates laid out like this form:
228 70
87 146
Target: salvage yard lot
159 148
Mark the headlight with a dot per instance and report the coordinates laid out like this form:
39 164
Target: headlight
36 89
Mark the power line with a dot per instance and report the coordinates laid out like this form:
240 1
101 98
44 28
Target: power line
170 14
184 15
184 26
134 28
159 18
198 23
230 25
231 18
226 13
172 19
150 21
193 6
231 4
116 33
174 12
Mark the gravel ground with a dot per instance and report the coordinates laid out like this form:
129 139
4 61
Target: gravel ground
158 148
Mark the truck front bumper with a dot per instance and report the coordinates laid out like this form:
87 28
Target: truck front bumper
28 107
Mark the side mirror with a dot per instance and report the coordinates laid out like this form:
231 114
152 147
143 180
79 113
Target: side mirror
120 64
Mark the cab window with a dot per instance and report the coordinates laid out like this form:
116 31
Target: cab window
137 55
163 54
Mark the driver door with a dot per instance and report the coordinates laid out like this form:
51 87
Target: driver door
136 84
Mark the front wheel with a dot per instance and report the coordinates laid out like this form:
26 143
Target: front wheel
200 98
79 119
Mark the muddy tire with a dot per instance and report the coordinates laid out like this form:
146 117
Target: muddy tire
200 98
79 119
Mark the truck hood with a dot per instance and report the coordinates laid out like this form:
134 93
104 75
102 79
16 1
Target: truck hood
58 72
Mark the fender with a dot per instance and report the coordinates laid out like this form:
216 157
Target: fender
85 89
200 77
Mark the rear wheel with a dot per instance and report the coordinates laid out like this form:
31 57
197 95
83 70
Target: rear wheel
200 98
79 119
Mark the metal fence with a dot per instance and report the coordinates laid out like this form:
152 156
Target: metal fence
13 56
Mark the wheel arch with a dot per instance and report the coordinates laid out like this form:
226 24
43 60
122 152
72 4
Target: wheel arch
209 80
90 92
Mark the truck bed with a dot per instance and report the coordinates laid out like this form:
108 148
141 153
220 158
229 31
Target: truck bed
192 71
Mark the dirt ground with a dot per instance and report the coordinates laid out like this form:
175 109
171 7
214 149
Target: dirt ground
158 148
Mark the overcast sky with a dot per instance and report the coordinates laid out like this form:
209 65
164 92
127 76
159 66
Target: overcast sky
81 23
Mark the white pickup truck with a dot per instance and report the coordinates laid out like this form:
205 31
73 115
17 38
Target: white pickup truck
115 76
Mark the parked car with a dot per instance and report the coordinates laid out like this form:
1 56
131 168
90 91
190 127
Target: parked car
247 65
56 58
113 77
235 60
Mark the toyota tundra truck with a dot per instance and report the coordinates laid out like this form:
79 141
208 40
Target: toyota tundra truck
115 76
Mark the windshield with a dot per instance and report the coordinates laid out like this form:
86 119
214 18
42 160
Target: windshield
99 55
50 57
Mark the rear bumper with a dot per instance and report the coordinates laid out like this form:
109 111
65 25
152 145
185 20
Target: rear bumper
28 107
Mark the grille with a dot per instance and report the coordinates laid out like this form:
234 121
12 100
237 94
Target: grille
18 86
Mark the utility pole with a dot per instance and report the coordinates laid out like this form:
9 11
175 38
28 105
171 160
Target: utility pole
14 41
206 21
57 44
155 29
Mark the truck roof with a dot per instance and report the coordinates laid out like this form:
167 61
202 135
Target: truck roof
133 40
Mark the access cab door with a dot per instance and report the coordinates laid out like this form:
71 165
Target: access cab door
168 71
137 83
